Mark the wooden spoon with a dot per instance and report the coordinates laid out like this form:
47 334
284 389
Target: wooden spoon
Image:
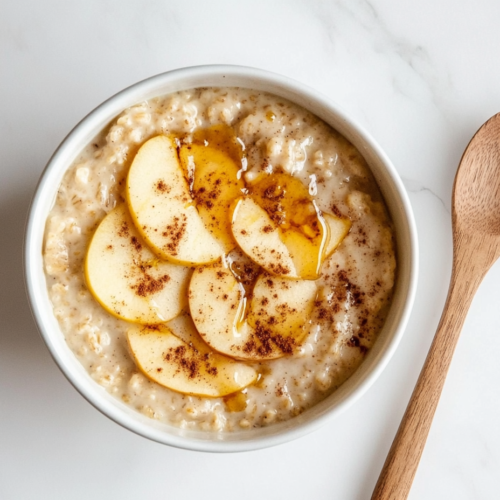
476 246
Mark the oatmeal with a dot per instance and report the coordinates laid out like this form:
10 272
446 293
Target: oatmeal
267 285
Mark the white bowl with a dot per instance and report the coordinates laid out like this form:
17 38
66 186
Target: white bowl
237 76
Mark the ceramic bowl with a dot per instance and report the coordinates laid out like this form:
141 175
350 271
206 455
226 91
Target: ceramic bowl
387 179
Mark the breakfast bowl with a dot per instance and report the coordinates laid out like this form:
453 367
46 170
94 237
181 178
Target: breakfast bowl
115 389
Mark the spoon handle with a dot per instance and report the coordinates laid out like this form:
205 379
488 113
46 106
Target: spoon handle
397 475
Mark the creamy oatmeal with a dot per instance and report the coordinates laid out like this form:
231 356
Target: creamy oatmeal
339 310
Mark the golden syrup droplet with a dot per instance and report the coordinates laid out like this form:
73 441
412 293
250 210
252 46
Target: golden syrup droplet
236 402
244 270
270 116
262 372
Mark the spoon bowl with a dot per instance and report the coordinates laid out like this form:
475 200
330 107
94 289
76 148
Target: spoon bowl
476 194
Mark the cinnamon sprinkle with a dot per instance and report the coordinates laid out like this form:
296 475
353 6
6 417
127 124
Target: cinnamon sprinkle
335 211
264 341
174 233
161 187
189 361
147 285
355 342
208 197
279 269
136 244
123 232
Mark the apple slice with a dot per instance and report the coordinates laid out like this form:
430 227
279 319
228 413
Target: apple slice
295 221
338 228
307 254
283 230
127 279
279 310
186 365
288 203
162 208
215 185
261 239
282 306
216 303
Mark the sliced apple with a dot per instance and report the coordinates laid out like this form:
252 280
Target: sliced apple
295 221
278 312
282 229
307 254
261 239
186 365
127 279
216 303
338 228
162 208
288 203
215 185
282 306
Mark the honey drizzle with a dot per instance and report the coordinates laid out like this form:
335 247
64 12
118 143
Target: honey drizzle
291 207
237 401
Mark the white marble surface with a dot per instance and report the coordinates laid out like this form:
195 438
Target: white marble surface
420 76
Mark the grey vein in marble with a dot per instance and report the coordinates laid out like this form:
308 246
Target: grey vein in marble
414 187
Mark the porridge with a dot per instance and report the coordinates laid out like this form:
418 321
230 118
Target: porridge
219 259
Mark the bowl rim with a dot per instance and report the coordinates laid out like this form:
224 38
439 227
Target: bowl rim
32 256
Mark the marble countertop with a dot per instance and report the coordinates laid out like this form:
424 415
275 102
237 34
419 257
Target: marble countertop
420 76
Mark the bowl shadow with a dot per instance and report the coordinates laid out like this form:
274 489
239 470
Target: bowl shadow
23 355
